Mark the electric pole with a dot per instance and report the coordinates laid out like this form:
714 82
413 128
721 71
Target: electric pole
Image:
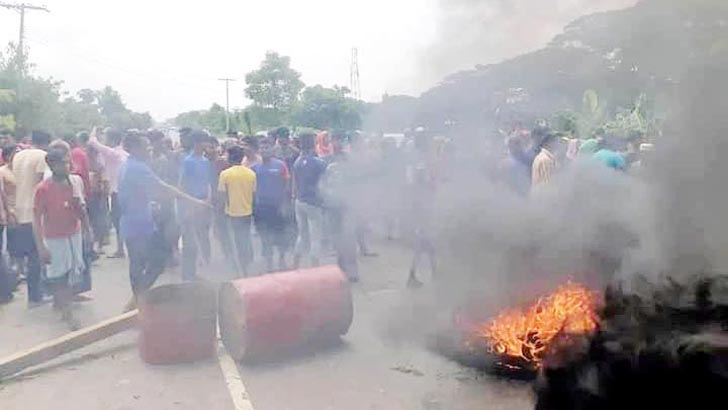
20 8
227 102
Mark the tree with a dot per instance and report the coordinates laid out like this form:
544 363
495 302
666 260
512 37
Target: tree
275 84
212 119
87 96
393 114
7 98
328 108
40 103
619 54
78 115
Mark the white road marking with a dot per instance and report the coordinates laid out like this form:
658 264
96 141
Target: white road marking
234 382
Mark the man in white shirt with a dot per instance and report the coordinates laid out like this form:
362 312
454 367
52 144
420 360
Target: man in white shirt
114 157
29 165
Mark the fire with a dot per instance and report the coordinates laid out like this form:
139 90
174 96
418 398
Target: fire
525 334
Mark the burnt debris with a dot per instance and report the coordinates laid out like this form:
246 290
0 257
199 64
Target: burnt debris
668 350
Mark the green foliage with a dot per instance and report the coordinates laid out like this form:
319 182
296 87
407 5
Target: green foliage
250 120
212 119
77 115
639 118
29 102
275 84
7 119
318 108
648 48
393 113
328 108
275 89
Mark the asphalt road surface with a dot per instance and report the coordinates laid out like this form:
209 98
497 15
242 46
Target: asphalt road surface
382 363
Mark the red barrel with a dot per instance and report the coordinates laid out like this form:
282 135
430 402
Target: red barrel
177 323
268 313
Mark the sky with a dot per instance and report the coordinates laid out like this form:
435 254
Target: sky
166 57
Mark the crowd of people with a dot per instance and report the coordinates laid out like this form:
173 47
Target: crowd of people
64 199
535 156
297 198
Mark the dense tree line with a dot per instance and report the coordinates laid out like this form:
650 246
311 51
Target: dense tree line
29 101
616 70
279 97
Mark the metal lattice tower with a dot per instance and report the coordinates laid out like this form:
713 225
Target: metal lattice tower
354 84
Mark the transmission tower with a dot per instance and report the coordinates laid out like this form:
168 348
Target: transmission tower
354 84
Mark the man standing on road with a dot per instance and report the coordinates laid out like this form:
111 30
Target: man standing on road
337 185
423 190
79 160
7 283
218 163
251 148
270 196
9 188
284 150
287 152
165 164
544 165
237 186
307 172
195 181
138 187
29 165
59 216
114 157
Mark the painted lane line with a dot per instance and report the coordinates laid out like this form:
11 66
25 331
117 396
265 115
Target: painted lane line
233 380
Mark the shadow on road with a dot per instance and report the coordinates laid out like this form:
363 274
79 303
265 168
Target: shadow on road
302 354
69 364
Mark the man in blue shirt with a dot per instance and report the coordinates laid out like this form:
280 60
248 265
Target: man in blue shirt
139 187
307 171
195 179
271 194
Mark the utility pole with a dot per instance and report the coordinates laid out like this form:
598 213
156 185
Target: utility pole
227 102
21 38
20 57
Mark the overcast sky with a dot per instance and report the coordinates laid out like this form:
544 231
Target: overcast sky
166 56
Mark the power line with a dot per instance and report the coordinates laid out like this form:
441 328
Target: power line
227 102
117 66
21 9
132 74
20 54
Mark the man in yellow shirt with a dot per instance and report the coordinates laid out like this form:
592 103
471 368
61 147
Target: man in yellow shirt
237 187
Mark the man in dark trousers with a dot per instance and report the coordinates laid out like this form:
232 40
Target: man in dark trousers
272 192
29 165
307 172
195 179
138 188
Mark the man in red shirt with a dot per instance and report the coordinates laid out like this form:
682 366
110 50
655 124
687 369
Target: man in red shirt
59 213
79 160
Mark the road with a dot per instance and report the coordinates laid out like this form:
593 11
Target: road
382 363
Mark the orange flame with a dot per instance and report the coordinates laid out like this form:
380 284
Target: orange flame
527 334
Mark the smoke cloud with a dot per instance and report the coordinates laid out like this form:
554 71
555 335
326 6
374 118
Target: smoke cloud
591 224
471 32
